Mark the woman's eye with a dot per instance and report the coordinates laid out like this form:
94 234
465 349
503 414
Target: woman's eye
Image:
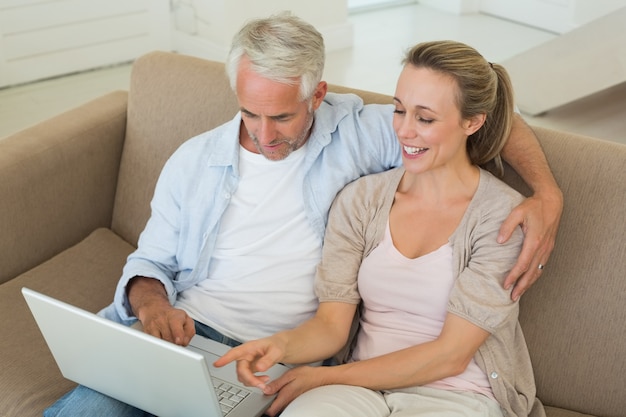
396 111
426 121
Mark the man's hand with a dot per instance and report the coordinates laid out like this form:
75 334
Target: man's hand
539 217
159 318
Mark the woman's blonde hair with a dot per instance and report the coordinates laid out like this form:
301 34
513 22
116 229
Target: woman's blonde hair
483 88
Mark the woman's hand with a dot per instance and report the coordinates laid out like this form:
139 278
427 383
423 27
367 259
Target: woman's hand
291 384
253 357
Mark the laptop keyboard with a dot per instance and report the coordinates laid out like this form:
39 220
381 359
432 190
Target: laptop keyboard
228 395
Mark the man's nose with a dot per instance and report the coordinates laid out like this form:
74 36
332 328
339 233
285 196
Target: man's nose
267 131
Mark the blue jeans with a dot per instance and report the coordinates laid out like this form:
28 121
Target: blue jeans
83 401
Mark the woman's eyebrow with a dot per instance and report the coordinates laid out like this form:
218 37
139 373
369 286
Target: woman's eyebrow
417 106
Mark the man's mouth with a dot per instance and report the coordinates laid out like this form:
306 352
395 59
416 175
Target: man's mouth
411 150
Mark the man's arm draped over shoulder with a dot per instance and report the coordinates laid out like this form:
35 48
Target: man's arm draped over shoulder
538 215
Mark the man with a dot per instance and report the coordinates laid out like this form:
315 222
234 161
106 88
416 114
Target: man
239 213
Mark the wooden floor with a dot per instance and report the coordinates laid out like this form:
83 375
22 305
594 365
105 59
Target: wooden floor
373 63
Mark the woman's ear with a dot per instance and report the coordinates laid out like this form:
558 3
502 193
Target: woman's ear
474 123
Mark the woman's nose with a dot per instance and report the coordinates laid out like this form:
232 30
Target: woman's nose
407 128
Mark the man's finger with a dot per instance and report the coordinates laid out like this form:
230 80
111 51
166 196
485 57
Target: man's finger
166 333
152 331
178 332
524 283
513 220
535 269
190 330
521 266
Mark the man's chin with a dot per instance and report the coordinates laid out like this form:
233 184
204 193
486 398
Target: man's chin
275 156
275 153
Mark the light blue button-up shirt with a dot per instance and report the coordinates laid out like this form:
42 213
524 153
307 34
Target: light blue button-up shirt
348 140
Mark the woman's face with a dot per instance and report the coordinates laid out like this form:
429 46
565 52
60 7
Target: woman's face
428 122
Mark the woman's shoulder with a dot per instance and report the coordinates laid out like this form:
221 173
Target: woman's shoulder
492 188
373 185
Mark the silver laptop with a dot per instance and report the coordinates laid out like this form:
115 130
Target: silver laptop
141 370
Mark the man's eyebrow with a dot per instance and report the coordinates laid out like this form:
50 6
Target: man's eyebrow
246 111
282 116
277 116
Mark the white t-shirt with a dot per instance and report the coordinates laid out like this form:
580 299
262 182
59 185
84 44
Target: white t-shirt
265 242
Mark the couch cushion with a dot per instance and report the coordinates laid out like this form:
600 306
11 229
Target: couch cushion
84 275
559 412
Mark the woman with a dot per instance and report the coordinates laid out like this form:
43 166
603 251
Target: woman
413 253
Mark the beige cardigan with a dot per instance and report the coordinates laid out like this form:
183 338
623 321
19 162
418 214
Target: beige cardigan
356 225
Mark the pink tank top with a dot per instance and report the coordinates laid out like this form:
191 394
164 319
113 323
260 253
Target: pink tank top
405 303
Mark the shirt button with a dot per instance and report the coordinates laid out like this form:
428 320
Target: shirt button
226 196
494 375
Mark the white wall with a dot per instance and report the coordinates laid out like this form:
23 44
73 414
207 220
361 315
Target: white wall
205 28
559 16
46 38
453 6
588 10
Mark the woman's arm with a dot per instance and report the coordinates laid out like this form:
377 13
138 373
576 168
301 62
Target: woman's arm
316 339
448 355
539 215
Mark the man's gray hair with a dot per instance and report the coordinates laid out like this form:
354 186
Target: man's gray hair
281 48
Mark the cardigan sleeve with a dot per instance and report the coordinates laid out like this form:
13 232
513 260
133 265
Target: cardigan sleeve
355 227
478 294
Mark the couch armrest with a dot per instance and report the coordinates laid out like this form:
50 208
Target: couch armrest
58 181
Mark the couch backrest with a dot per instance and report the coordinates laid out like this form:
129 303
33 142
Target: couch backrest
574 316
171 99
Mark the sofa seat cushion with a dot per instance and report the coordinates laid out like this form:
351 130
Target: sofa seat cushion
559 412
84 275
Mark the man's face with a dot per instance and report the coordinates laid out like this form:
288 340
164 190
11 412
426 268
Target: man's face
276 121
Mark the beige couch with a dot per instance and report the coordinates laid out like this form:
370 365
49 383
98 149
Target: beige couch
75 194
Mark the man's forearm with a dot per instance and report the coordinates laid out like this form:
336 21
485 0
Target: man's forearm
143 292
523 152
